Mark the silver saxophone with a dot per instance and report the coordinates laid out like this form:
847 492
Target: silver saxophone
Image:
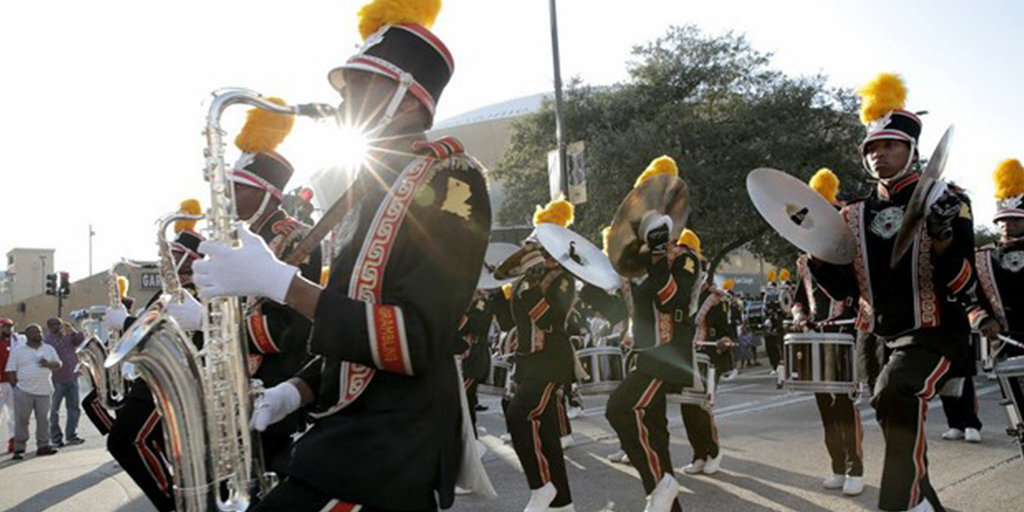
206 397
108 382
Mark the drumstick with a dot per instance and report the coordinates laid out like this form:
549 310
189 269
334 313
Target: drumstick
1011 341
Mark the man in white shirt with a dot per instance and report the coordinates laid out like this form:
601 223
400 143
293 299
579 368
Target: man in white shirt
30 369
9 340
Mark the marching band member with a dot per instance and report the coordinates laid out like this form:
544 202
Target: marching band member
914 307
474 346
541 302
135 438
663 340
1000 264
712 323
383 385
277 334
773 323
813 308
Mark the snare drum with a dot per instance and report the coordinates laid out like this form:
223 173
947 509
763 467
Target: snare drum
820 363
501 369
703 391
982 355
1011 379
605 369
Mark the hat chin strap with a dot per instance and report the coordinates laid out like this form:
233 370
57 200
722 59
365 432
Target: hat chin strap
404 82
259 211
899 175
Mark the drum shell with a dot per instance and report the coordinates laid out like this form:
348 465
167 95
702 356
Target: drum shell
501 371
702 393
820 363
1011 379
605 368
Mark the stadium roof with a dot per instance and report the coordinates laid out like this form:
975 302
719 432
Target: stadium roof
505 109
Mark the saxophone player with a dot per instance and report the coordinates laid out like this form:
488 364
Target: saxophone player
382 387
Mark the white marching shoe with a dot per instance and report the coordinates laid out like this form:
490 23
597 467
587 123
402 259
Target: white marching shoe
694 467
924 506
619 457
540 499
953 434
565 508
834 482
663 496
853 486
972 435
713 465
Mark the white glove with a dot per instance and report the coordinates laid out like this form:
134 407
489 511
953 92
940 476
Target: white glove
113 318
189 314
274 404
251 269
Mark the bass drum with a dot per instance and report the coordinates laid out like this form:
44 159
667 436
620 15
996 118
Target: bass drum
604 369
501 371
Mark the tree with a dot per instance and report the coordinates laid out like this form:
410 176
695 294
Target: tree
715 105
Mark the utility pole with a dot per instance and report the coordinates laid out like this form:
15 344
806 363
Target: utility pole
562 167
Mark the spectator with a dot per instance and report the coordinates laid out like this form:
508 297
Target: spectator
8 342
30 367
65 340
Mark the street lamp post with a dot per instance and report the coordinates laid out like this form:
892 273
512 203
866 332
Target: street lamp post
563 170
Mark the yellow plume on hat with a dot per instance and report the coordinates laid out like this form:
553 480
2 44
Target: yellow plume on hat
881 95
660 165
605 233
1009 178
690 239
826 183
729 284
264 131
784 274
770 276
378 13
122 286
558 212
188 207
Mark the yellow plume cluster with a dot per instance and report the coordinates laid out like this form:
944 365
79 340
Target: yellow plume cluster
880 96
660 165
770 276
559 212
122 286
189 207
264 131
378 13
729 284
691 240
784 274
826 183
1009 178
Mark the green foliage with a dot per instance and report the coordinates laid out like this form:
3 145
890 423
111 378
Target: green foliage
715 105
984 235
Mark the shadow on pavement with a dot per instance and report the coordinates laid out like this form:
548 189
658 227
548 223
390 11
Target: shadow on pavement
61 492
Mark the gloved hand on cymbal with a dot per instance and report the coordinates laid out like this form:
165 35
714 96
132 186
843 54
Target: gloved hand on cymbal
274 404
189 314
113 318
251 269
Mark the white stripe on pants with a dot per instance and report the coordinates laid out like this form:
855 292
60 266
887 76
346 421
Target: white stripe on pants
6 411
24 405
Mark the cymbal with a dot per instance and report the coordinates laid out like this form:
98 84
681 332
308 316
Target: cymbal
919 201
801 215
663 194
497 252
578 256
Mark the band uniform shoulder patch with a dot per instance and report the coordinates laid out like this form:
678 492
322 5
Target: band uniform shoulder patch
564 287
690 266
456 200
965 211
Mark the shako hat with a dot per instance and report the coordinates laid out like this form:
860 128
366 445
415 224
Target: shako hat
1009 179
260 165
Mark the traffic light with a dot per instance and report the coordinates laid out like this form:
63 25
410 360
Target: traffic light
65 284
51 284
